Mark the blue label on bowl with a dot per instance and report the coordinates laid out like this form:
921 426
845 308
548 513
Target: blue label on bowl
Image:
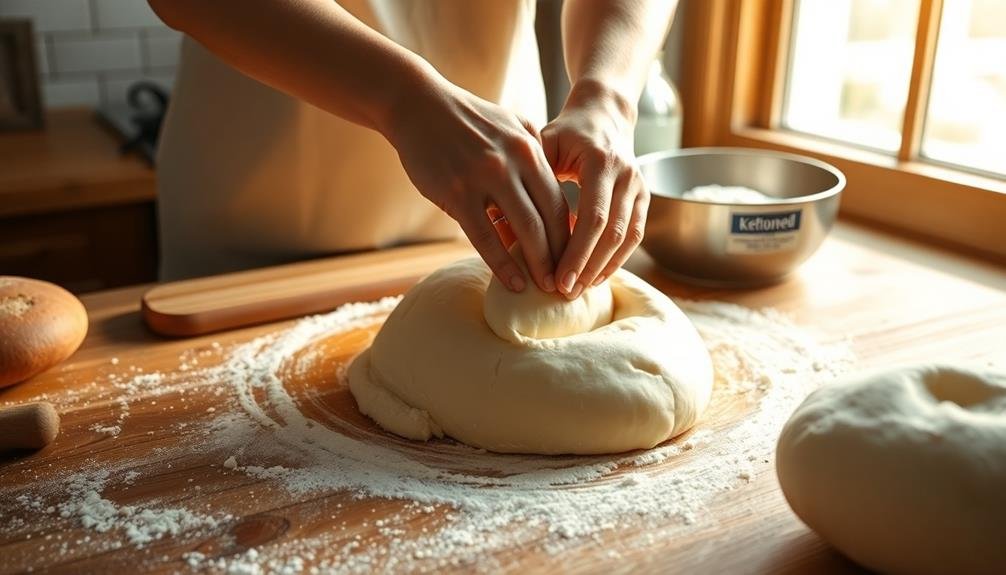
771 223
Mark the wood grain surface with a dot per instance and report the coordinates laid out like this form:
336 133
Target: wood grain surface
206 305
898 302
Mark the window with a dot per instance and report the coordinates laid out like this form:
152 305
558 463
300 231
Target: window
907 97
849 70
966 120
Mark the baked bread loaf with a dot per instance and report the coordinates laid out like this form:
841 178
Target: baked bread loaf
41 324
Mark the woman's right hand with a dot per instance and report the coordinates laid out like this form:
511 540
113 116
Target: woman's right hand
468 156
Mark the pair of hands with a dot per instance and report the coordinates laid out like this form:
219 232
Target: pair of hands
472 158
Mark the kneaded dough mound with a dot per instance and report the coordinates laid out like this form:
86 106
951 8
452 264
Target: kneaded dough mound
620 368
534 314
904 471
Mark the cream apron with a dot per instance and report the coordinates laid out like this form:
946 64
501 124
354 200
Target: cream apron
249 176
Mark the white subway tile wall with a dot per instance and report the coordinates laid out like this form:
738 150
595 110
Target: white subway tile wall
79 92
50 15
162 48
90 51
96 54
124 14
41 58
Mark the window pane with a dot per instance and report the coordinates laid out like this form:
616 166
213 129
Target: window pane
850 64
966 123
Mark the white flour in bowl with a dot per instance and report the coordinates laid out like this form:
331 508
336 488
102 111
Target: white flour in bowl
717 194
469 502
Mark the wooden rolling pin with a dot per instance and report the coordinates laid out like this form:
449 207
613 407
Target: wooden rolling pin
28 426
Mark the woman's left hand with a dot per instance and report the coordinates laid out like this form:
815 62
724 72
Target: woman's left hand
591 143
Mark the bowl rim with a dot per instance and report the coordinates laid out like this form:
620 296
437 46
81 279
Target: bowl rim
839 186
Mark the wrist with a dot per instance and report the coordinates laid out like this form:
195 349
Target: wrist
594 93
411 80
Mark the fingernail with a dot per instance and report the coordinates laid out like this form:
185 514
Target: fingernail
600 279
549 282
517 283
577 290
567 281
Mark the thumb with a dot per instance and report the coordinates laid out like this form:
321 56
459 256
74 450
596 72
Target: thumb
550 145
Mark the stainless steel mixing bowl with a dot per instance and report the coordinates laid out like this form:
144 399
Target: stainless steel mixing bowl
737 245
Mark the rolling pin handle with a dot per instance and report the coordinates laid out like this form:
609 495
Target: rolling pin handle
28 426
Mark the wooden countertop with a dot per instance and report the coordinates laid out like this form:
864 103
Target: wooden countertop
897 301
73 162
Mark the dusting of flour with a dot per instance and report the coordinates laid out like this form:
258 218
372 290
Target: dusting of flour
759 356
471 502
15 305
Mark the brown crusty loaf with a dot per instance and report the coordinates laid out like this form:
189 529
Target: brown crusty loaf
41 324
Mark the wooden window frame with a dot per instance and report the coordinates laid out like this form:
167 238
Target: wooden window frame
735 54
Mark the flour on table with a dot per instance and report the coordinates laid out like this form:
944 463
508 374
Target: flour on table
760 356
139 524
112 430
260 428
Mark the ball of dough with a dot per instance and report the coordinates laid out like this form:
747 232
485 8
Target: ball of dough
41 324
904 471
534 314
436 368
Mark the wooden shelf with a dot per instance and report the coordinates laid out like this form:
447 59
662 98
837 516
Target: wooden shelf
73 163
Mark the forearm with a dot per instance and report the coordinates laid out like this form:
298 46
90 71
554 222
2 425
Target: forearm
312 49
609 44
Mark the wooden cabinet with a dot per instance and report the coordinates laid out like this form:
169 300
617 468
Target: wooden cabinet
83 250
72 209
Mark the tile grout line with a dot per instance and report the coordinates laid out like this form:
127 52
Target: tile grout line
144 50
92 10
50 55
82 34
101 81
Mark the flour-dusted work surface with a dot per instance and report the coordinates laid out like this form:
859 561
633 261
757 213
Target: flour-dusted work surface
243 451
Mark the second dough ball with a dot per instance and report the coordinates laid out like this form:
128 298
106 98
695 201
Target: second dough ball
904 471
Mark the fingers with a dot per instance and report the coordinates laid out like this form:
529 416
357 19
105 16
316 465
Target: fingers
597 179
516 183
502 226
549 200
615 230
633 237
507 171
529 126
540 182
480 231
550 147
530 230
